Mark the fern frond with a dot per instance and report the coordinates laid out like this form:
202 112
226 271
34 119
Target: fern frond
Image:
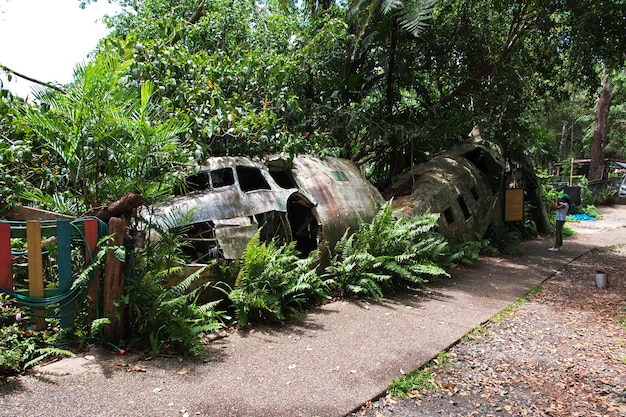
46 353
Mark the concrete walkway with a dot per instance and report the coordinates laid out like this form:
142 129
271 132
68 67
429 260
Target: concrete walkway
342 355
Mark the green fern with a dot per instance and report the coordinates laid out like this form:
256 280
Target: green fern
181 316
169 315
385 252
46 353
274 283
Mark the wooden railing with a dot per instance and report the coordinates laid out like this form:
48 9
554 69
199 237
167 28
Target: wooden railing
36 233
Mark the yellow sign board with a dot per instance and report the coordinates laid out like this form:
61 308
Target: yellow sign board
514 205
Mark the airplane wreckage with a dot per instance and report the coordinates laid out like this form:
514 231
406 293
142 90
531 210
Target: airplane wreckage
462 184
313 201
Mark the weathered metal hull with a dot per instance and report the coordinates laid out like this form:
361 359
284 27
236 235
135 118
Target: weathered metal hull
309 200
461 184
341 194
313 201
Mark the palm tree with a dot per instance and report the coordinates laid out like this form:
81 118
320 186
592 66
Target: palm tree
103 139
384 19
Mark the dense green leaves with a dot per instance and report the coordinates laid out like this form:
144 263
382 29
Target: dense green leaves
386 252
99 141
273 283
386 83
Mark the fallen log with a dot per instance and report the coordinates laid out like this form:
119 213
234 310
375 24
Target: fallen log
123 207
24 213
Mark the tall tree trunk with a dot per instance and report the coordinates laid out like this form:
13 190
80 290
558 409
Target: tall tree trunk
539 212
395 163
564 137
603 105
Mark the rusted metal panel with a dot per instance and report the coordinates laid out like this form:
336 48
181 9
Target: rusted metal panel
229 201
234 238
342 193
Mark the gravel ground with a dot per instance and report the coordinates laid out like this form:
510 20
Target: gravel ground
561 353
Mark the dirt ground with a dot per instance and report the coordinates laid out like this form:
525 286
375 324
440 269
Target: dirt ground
561 353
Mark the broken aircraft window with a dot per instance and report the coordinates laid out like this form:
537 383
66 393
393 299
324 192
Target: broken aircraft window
284 179
447 213
201 243
222 177
339 175
196 182
251 179
464 208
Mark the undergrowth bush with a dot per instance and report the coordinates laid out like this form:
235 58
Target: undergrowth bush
165 309
172 317
467 252
274 283
505 238
20 345
385 252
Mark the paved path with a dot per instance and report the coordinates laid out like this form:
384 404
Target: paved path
342 355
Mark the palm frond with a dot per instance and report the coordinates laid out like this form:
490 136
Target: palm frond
415 15
390 6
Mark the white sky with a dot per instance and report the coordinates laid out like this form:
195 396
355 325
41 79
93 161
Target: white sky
45 39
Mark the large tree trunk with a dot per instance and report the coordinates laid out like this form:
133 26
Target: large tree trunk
596 170
396 164
539 211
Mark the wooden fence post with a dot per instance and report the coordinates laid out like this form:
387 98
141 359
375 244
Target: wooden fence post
113 285
91 240
64 264
6 263
35 267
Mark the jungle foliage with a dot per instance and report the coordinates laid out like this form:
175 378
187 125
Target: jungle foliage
387 252
386 83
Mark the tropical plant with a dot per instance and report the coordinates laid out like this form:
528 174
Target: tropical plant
183 317
274 283
468 251
18 155
175 318
20 346
100 142
385 252
166 307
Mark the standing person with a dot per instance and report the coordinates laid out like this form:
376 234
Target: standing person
562 207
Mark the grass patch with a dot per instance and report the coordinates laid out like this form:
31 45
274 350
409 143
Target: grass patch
595 251
422 378
510 310
477 333
621 320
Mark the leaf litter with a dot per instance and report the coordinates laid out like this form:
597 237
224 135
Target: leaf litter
561 353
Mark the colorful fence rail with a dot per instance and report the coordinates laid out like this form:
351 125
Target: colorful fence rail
42 298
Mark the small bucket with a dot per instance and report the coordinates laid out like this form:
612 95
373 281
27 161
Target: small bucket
601 279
